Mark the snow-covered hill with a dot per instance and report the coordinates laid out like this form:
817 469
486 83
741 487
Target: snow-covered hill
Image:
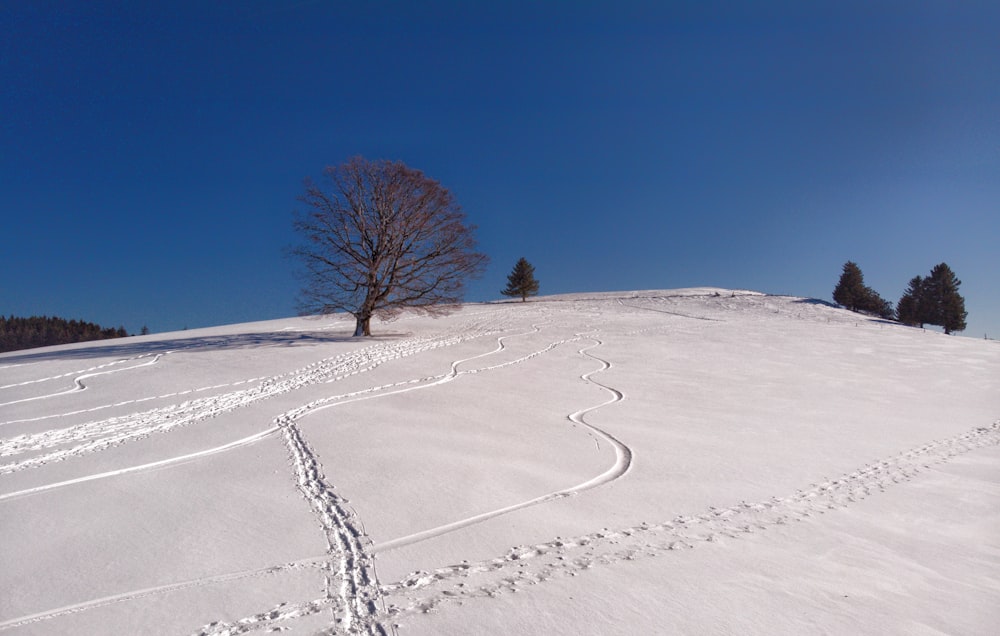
688 461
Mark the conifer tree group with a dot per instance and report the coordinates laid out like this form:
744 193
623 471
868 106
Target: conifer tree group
42 331
852 293
521 281
933 300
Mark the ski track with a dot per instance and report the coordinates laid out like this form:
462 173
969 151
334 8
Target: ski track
523 566
103 434
353 589
250 439
77 373
315 563
78 384
621 465
353 593
337 400
137 401
664 311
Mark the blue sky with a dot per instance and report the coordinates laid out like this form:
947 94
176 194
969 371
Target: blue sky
151 156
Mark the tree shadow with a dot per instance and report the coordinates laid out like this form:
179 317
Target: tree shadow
118 348
860 314
815 301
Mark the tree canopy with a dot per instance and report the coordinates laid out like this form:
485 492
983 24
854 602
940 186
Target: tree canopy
521 281
852 293
42 331
934 300
381 237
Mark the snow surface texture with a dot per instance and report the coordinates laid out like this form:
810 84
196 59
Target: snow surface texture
689 461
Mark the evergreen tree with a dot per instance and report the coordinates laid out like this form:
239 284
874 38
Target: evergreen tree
521 281
42 331
850 289
875 304
909 309
852 293
942 304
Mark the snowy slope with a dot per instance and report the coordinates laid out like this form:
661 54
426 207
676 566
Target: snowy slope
687 461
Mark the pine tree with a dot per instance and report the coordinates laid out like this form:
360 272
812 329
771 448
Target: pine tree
943 305
521 281
852 293
41 331
850 289
909 309
875 304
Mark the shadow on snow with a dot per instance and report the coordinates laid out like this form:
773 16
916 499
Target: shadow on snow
123 348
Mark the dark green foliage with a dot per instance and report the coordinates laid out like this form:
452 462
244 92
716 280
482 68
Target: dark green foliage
42 331
850 288
934 301
852 293
941 304
521 281
909 308
875 304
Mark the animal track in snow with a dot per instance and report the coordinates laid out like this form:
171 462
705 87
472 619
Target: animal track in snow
353 590
522 566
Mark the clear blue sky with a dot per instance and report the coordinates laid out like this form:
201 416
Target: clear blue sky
151 156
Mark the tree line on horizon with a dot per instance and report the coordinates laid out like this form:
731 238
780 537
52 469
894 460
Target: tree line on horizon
931 300
43 331
380 237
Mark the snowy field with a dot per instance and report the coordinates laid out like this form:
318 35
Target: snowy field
693 461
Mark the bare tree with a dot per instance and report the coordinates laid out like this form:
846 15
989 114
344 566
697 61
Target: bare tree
383 237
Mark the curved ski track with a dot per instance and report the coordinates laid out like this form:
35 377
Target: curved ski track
70 374
165 396
621 465
78 384
353 591
422 592
103 434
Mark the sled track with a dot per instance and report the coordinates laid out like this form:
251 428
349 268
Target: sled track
522 566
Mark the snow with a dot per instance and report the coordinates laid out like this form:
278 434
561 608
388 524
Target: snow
683 461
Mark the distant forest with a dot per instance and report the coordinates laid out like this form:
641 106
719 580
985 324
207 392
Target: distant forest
42 331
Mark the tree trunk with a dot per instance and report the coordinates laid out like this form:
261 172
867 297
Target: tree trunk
363 327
